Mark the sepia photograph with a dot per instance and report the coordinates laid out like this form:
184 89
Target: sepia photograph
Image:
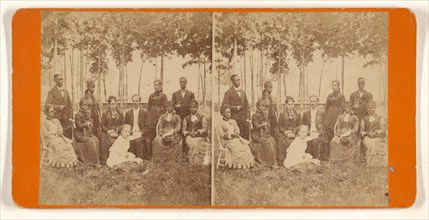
300 109
126 108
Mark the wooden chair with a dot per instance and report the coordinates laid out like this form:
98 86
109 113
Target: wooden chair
221 157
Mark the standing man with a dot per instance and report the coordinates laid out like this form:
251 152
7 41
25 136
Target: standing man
315 119
59 98
359 103
94 106
271 105
138 119
235 98
181 101
359 100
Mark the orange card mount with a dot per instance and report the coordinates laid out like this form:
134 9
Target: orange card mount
26 103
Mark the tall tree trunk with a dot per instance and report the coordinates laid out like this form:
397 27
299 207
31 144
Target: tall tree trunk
162 69
104 84
99 72
218 86
65 68
385 82
55 51
244 71
320 79
72 77
234 49
198 78
140 77
204 82
252 83
126 81
342 74
261 71
301 78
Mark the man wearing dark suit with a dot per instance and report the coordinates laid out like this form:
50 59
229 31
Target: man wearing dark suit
138 118
316 121
359 100
60 99
95 106
235 98
181 99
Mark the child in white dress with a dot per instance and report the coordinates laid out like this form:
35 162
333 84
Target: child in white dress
119 150
296 151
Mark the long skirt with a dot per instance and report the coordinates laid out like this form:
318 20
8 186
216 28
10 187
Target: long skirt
265 150
88 151
197 146
61 153
238 154
167 148
343 152
141 147
283 144
105 143
376 151
318 149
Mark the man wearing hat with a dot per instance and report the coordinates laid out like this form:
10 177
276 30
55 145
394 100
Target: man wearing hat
59 98
95 106
235 98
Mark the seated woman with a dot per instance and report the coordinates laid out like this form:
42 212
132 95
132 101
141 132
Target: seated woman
86 144
119 151
263 143
344 145
61 152
296 155
110 122
373 131
237 154
289 121
194 129
167 145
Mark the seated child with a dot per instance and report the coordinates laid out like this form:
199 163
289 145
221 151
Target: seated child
119 150
296 152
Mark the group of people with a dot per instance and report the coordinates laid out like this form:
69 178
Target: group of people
166 131
344 132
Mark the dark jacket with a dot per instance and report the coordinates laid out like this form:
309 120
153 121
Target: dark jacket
359 104
143 120
320 120
185 102
110 123
56 99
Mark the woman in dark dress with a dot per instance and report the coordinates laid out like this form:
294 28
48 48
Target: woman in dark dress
271 106
345 144
87 145
289 121
333 108
263 144
110 122
156 107
167 144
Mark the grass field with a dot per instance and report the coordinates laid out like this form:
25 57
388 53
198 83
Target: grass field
340 185
164 184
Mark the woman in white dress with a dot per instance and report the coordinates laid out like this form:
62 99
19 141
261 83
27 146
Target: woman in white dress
61 152
119 150
296 152
238 154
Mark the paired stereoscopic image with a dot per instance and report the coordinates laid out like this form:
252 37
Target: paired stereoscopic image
291 110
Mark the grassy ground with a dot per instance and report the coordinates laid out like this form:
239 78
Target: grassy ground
345 185
165 184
